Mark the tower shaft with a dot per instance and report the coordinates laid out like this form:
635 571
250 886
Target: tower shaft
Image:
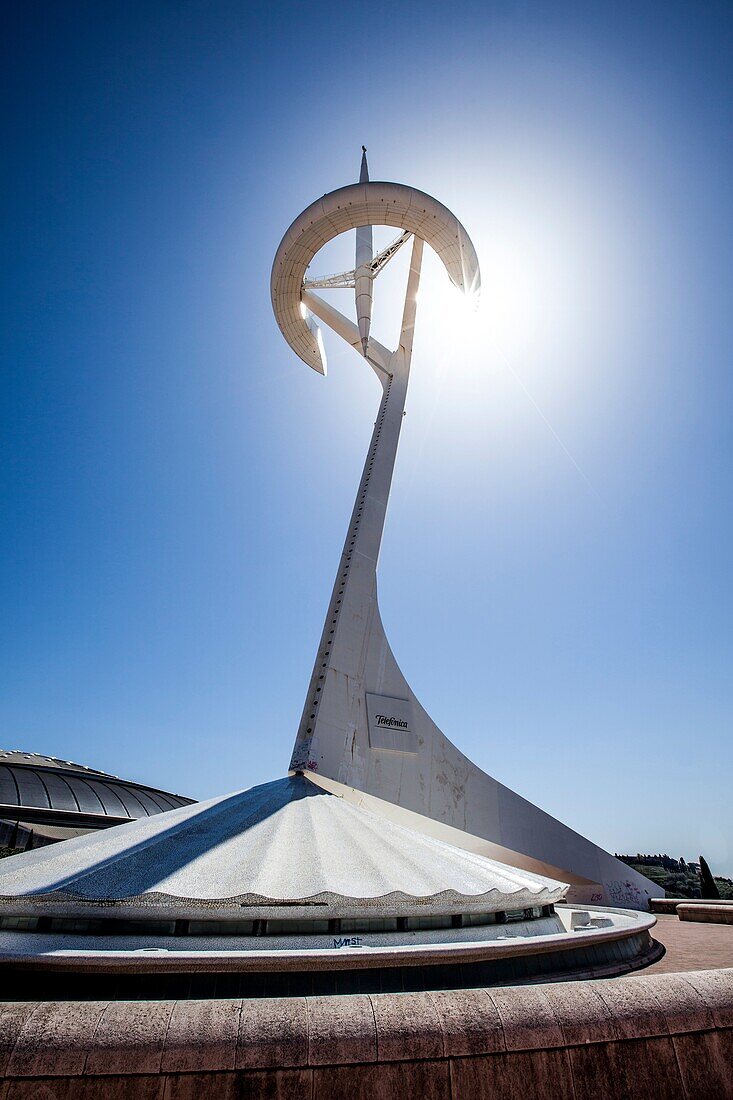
352 616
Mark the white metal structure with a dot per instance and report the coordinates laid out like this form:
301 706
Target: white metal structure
273 850
289 877
362 731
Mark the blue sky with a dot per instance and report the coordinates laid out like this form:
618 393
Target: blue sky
556 573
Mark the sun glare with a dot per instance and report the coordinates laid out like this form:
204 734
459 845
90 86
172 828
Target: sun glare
451 320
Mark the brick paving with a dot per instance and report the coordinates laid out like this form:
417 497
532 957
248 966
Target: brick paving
691 946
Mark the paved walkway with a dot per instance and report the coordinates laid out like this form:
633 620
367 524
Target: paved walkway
691 946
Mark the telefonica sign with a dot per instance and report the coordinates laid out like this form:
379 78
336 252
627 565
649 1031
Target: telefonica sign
390 724
393 723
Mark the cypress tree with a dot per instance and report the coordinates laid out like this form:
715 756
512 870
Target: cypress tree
708 886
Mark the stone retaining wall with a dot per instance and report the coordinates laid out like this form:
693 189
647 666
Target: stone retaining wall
662 1036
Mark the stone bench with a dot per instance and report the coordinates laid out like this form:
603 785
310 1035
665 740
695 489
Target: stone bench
709 912
669 905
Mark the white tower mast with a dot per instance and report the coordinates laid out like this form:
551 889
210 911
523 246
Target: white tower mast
363 732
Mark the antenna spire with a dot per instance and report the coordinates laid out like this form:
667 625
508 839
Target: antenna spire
362 272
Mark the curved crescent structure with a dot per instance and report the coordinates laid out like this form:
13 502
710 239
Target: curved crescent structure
363 732
361 204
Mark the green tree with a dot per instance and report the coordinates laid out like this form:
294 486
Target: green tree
708 887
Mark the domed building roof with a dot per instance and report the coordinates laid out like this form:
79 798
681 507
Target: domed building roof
22 758
44 790
286 848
